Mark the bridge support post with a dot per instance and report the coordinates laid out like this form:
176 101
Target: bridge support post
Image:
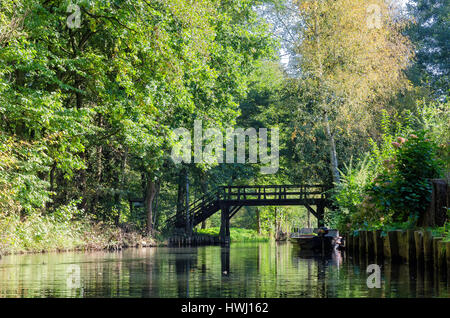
225 225
225 260
320 214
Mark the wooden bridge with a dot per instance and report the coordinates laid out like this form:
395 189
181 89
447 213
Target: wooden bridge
230 199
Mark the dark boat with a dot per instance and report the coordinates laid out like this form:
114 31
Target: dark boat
316 240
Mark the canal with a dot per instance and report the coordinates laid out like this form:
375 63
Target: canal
243 270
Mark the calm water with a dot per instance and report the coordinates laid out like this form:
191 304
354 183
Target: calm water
244 270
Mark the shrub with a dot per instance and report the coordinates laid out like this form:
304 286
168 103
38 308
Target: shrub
349 193
402 190
390 186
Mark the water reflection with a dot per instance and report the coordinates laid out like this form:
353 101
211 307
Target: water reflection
225 260
242 270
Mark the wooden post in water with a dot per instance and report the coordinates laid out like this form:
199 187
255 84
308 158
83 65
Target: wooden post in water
378 244
348 241
411 246
356 243
320 214
442 257
418 238
391 246
427 247
370 243
362 243
225 225
435 244
225 260
447 256
402 245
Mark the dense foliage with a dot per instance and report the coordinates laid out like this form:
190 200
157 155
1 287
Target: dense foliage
91 92
391 186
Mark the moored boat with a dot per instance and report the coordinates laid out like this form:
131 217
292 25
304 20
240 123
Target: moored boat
318 240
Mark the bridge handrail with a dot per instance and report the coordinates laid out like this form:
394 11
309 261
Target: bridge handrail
277 186
197 203
275 190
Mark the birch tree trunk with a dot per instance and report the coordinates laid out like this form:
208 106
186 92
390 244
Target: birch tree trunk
333 155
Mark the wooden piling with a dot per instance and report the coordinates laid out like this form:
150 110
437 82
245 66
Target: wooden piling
442 251
391 246
370 243
378 244
386 247
352 242
411 246
406 246
418 238
356 244
225 225
402 246
348 241
427 247
362 242
435 244
447 253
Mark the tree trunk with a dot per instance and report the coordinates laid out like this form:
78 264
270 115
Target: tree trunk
155 208
83 182
150 192
120 186
333 155
52 186
181 190
98 179
181 199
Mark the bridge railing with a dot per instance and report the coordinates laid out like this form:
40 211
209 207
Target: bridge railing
274 192
195 208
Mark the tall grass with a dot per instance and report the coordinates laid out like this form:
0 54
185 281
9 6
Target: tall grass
236 234
61 230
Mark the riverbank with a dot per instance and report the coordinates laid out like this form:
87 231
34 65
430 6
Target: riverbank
236 234
39 233
210 236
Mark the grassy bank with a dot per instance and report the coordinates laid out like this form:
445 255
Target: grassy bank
236 234
44 233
